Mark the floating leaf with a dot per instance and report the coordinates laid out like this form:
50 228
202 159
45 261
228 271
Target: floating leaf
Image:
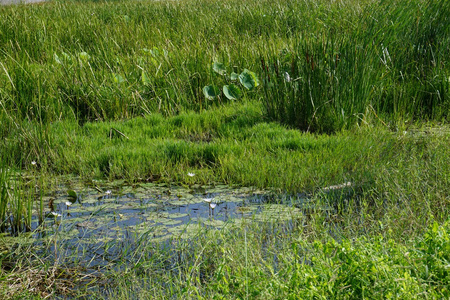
211 92
145 79
72 194
249 79
219 68
215 223
234 76
232 92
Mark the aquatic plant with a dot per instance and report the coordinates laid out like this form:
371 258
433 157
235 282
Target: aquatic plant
231 91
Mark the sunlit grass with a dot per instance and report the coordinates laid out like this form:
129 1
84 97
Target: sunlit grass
116 89
347 63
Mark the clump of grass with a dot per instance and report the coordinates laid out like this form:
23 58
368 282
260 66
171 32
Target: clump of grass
387 64
4 197
16 205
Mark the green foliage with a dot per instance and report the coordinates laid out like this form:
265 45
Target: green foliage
247 78
328 80
4 196
219 68
16 203
232 92
434 253
72 194
251 260
211 92
361 62
73 72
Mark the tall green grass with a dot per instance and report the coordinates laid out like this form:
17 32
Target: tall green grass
16 203
347 61
391 63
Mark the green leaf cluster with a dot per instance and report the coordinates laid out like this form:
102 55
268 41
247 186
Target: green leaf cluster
231 90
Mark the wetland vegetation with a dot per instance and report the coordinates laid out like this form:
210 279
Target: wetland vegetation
201 149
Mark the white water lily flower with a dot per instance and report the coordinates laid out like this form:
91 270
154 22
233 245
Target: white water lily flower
33 163
55 214
208 200
213 205
191 174
108 192
68 203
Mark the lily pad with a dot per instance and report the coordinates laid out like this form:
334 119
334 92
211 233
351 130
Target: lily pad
87 224
177 215
183 202
214 223
72 194
168 222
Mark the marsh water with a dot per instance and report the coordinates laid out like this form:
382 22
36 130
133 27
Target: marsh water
90 223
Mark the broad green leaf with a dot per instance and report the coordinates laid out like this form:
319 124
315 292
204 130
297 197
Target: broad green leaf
219 68
249 79
72 194
145 79
211 92
232 92
234 76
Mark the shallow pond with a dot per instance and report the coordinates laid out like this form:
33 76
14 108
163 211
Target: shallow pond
93 227
84 221
107 214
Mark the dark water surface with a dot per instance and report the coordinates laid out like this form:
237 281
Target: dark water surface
96 222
